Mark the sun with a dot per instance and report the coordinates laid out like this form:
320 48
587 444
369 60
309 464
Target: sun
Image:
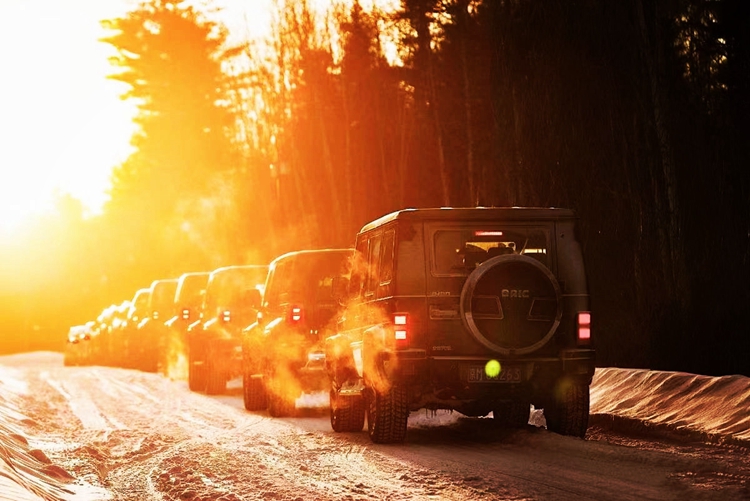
63 125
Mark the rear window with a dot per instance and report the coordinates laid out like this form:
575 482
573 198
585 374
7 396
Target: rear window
227 286
307 276
190 290
459 251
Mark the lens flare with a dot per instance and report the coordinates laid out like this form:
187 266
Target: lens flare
492 369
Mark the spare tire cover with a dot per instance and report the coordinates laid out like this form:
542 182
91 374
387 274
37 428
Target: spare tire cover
511 304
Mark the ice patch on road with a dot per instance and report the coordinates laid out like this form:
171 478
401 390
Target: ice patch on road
678 403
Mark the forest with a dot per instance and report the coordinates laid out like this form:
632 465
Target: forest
634 113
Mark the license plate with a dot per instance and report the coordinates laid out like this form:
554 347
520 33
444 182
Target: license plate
508 374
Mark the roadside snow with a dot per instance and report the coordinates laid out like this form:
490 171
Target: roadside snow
26 473
715 409
676 404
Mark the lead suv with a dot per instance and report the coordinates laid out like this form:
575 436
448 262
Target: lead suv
476 310
283 351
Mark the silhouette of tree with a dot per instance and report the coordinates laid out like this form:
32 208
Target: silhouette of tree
171 194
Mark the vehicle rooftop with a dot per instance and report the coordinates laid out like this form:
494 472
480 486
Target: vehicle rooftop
163 281
239 267
473 214
310 252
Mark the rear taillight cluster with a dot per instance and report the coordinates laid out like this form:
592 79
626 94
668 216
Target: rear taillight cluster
584 327
295 314
401 329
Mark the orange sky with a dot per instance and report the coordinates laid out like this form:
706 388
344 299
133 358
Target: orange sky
62 124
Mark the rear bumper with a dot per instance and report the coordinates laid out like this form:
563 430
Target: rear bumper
457 377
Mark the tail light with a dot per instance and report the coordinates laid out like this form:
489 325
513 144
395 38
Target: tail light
186 313
226 316
584 327
401 329
295 314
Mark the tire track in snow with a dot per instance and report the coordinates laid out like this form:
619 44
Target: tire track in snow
82 406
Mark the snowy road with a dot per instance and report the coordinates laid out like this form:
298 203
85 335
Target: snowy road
141 436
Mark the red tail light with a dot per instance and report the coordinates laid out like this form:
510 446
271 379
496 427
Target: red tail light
584 327
401 329
295 315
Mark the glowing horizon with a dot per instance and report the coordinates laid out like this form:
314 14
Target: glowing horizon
64 125
63 122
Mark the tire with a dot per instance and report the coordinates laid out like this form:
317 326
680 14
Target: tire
387 416
216 382
254 392
196 375
512 414
347 413
568 414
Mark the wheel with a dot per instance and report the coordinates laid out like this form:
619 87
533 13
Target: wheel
347 413
196 375
387 416
254 392
512 414
568 413
216 382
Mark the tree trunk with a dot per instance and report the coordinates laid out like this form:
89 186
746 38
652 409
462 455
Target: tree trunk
672 245
473 194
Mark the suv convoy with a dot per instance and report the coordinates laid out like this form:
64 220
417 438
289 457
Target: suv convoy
476 310
151 329
283 351
214 345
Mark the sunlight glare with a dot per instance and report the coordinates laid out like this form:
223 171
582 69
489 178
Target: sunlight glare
63 124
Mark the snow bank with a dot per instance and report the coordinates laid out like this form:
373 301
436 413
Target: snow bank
26 473
676 404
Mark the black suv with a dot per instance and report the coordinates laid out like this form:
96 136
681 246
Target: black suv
129 345
188 300
214 343
152 330
283 351
476 310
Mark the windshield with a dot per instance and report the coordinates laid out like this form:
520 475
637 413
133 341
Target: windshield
308 277
140 303
459 251
162 297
